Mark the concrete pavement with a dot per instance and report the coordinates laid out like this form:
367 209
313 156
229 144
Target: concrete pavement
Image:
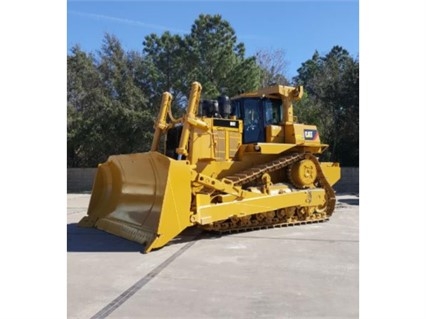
308 271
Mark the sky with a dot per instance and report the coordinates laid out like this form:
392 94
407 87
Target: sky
298 28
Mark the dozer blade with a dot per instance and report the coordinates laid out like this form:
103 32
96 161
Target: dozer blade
142 197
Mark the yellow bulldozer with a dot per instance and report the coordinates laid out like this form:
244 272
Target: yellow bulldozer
227 165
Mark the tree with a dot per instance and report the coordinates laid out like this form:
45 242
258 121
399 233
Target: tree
216 60
210 55
164 62
332 86
107 111
273 67
84 90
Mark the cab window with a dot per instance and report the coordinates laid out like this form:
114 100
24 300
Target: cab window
272 111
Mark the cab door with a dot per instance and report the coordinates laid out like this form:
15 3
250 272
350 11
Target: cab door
253 121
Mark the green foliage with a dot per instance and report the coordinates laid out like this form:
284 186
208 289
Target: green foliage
331 102
216 59
164 63
210 55
107 112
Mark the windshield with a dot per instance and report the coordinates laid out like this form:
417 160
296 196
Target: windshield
272 110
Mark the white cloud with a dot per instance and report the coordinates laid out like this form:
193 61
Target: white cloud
127 21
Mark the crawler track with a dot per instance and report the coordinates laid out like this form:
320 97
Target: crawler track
283 217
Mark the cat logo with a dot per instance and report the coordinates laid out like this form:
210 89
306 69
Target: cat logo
310 134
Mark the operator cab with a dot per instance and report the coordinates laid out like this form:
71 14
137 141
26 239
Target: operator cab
257 113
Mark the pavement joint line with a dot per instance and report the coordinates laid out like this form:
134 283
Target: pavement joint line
117 302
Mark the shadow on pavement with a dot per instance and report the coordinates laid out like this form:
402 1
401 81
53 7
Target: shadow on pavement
81 239
350 201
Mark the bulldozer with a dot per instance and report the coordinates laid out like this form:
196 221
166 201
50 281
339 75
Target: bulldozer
227 165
